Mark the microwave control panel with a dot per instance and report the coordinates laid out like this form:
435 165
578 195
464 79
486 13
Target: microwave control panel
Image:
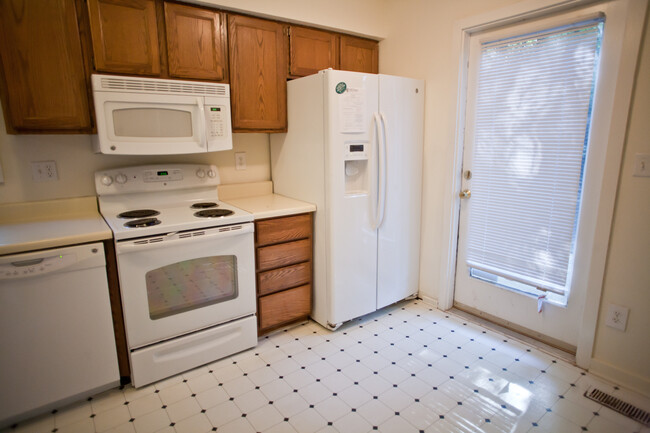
216 121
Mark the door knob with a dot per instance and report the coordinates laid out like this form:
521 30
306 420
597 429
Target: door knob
465 193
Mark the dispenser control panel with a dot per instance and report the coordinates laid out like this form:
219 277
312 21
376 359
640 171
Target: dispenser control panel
355 150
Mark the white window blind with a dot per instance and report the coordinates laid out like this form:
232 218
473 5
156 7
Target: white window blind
532 113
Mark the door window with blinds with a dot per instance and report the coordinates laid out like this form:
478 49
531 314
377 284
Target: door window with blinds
531 138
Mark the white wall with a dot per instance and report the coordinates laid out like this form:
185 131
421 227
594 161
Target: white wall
423 49
76 163
627 274
360 17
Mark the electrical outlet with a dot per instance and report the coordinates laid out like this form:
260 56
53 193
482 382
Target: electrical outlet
642 164
617 317
240 160
44 171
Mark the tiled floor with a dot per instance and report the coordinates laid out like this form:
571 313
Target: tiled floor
408 368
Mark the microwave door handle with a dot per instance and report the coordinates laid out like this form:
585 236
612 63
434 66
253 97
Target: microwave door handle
201 120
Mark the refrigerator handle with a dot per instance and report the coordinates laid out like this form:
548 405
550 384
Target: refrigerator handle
381 208
374 192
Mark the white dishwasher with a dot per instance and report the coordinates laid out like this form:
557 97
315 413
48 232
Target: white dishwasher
56 333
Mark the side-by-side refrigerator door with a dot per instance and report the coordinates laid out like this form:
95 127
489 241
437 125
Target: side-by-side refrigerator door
401 105
350 104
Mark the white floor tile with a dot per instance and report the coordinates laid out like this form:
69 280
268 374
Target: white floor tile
239 425
183 409
332 408
111 418
223 413
251 401
352 423
193 424
144 405
308 421
152 422
406 368
337 381
291 404
264 418
72 414
211 397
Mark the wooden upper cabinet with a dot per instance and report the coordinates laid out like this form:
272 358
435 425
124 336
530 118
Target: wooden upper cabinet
196 43
258 72
360 55
45 85
311 50
125 36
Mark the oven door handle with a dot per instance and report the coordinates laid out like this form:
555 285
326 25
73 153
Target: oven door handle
173 239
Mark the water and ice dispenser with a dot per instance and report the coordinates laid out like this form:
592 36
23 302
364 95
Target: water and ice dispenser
356 167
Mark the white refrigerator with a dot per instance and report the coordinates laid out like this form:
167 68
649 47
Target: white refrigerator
354 148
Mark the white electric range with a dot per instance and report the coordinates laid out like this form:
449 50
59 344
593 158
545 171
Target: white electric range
186 267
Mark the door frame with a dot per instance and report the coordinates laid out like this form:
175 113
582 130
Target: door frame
604 194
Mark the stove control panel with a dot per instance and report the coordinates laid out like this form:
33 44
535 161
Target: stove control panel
172 175
152 178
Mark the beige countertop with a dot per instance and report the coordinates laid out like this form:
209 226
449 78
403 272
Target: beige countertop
271 205
47 224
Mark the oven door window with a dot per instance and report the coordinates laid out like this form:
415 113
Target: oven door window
191 284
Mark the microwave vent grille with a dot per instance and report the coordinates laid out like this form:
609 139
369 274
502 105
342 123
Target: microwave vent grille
163 86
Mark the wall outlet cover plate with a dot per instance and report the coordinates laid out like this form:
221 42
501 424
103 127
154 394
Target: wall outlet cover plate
617 317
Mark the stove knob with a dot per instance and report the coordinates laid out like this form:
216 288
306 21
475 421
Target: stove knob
211 173
107 180
200 173
121 178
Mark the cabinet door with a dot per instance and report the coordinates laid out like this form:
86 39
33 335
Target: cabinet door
311 50
43 67
258 69
360 55
125 36
196 42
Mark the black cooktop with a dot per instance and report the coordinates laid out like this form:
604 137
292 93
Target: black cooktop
213 213
139 213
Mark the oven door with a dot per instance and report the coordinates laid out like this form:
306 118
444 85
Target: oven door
181 282
149 124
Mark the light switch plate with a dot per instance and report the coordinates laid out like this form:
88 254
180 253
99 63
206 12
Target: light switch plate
642 164
240 160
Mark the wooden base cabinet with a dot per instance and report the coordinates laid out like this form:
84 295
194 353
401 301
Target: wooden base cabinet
284 270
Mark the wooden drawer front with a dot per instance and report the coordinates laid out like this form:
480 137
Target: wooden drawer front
286 254
273 231
283 307
283 278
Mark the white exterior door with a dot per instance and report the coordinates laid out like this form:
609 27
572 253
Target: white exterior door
526 166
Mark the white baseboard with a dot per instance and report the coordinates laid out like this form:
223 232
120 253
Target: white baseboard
621 377
428 300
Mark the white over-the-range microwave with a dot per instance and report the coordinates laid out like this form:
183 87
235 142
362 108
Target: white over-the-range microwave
151 116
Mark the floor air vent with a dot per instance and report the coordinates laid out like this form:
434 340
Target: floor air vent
618 405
